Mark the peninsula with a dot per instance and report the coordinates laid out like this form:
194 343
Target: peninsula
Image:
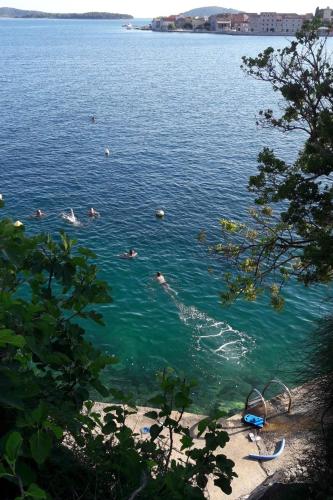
9 12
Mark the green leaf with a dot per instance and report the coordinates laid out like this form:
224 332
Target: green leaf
40 446
89 405
12 447
158 400
186 441
182 400
151 414
100 388
110 427
9 337
35 491
97 317
40 413
155 431
214 440
202 426
56 429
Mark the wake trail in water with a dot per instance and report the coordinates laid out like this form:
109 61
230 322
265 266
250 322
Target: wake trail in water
216 336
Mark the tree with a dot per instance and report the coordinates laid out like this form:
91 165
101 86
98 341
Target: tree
296 240
53 442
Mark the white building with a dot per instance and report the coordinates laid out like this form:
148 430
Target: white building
273 22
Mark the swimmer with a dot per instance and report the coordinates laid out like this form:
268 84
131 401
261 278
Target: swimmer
70 217
93 119
160 279
38 214
93 213
130 255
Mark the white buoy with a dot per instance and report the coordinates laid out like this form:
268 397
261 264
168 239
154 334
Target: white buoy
107 152
18 223
160 213
1 197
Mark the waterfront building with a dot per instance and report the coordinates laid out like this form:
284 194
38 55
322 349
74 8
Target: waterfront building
240 22
199 22
220 22
163 23
156 24
273 22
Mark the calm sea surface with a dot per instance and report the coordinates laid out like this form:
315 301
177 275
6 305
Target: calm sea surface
179 118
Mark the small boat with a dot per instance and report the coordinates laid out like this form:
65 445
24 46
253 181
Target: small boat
277 453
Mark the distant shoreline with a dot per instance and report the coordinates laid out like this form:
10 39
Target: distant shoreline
11 13
67 18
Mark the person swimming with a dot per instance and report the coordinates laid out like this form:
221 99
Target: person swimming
38 214
93 119
160 279
93 213
70 217
130 255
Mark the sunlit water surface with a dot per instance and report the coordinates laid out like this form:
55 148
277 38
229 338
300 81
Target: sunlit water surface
178 115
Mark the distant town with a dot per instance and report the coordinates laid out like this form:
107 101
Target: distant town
265 23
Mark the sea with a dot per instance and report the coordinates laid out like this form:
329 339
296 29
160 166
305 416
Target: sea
178 115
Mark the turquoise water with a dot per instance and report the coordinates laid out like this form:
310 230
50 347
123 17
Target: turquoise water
179 117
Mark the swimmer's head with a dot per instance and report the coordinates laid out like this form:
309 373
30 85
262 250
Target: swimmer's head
158 274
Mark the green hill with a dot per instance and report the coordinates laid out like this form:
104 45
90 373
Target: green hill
36 14
210 11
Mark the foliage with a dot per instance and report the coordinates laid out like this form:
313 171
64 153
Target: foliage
53 443
296 239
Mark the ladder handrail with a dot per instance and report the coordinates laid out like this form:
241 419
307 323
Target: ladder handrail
261 397
275 381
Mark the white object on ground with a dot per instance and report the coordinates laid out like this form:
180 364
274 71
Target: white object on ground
253 437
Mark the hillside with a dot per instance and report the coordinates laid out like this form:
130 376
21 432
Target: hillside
210 11
18 13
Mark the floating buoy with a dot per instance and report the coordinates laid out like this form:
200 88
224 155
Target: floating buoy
18 223
0 196
160 213
107 152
